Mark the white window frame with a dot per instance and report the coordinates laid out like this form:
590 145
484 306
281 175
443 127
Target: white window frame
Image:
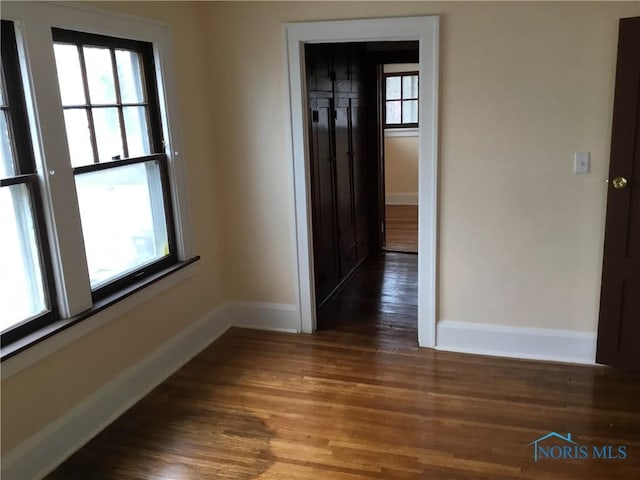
33 23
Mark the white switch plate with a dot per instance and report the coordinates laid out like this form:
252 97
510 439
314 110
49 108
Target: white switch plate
581 161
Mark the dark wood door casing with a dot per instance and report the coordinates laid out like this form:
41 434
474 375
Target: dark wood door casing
619 325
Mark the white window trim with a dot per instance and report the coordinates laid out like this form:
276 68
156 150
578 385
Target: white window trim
33 22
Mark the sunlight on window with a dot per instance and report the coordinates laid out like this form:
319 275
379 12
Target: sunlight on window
116 243
69 74
7 168
21 287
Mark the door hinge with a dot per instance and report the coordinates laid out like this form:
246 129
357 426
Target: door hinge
335 114
382 226
315 116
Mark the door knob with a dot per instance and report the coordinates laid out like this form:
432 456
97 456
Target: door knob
620 183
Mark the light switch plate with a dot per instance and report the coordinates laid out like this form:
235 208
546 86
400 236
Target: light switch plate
581 161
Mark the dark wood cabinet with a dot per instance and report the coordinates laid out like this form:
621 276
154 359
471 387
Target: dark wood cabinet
337 140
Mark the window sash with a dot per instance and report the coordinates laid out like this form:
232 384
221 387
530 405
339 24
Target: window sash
25 174
154 132
50 314
400 101
119 283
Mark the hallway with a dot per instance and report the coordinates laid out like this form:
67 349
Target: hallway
380 301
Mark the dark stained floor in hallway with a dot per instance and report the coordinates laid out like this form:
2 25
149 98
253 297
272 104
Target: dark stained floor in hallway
379 301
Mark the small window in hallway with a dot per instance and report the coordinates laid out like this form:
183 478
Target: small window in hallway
401 100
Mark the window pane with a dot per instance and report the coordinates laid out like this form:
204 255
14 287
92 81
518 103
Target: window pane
21 286
108 135
7 168
393 88
2 86
100 75
393 112
410 111
135 121
79 137
410 87
69 74
129 76
123 219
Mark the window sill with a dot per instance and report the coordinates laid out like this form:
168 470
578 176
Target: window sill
401 132
32 348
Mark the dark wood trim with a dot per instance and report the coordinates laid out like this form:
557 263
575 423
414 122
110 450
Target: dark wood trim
105 105
89 112
15 100
10 349
401 100
116 84
117 163
61 35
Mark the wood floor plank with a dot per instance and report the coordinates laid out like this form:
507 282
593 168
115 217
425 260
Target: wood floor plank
360 400
401 228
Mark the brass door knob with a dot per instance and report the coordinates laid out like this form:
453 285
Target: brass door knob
620 183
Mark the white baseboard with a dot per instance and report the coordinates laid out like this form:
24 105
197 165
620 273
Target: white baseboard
44 451
277 317
517 342
395 198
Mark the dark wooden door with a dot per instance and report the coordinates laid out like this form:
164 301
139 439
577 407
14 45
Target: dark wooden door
619 327
337 156
323 187
344 181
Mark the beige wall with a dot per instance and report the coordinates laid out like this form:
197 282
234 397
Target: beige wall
39 394
401 165
522 87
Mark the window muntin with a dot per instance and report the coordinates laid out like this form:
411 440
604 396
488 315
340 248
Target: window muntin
116 149
401 100
108 112
26 276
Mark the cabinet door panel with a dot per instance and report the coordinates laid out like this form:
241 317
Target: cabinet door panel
326 261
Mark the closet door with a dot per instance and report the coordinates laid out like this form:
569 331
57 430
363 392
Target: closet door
344 184
360 177
323 189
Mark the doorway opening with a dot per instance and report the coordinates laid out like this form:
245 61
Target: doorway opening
425 31
351 103
400 138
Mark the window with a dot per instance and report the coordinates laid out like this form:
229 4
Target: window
110 102
92 193
401 100
26 280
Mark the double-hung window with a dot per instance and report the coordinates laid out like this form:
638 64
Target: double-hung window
401 100
26 294
92 194
110 102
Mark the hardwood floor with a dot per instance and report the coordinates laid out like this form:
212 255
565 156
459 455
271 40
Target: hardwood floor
401 226
360 400
336 405
380 301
